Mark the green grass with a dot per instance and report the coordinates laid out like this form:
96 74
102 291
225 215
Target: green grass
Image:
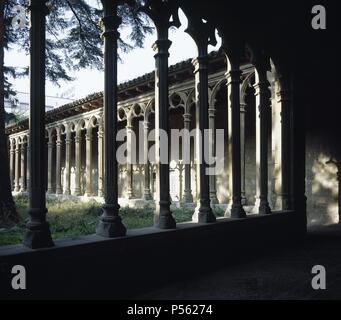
71 219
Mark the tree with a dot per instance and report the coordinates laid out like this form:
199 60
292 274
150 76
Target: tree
73 43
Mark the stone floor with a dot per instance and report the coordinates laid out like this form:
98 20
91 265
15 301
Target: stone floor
284 275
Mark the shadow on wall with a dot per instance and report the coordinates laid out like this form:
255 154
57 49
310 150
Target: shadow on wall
322 184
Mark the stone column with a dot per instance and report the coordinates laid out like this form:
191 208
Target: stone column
203 212
213 190
242 149
58 162
68 141
130 132
110 224
28 164
202 35
17 163
163 217
147 194
49 163
100 160
11 161
233 88
187 197
23 166
78 152
262 95
284 99
88 138
37 233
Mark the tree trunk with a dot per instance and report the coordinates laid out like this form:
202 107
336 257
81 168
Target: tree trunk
8 212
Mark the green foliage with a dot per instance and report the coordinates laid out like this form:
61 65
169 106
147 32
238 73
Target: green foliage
71 219
73 36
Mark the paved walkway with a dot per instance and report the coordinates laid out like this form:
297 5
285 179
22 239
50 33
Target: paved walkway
285 275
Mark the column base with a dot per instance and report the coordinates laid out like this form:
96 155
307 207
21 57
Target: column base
37 236
67 192
237 211
163 218
213 198
203 215
110 225
59 191
187 197
164 221
264 208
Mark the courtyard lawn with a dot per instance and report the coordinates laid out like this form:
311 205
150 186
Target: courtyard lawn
71 219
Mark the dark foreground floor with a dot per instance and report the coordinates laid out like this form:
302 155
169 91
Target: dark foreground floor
284 275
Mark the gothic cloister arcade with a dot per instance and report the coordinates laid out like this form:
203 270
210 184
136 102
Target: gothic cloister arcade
250 89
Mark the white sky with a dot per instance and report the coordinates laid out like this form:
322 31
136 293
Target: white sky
135 63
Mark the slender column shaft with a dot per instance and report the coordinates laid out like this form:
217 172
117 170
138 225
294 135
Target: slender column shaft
37 233
49 164
163 217
147 194
110 224
23 167
130 188
187 197
233 88
284 98
11 161
212 144
67 190
89 163
203 212
100 161
242 148
17 162
58 163
262 94
28 164
78 152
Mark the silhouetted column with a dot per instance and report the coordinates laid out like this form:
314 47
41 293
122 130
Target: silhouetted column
58 162
242 150
130 132
187 197
88 139
23 166
203 212
262 95
163 217
100 159
11 161
68 141
28 165
233 88
284 99
17 162
49 163
110 224
203 35
37 233
213 190
147 194
78 152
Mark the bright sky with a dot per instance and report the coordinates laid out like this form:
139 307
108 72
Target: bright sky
134 64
